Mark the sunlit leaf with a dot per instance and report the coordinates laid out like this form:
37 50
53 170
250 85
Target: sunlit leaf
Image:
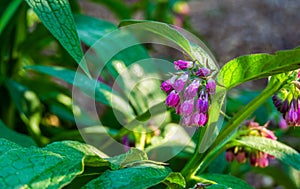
256 66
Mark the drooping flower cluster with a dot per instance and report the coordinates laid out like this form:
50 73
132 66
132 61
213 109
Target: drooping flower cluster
287 100
190 91
256 158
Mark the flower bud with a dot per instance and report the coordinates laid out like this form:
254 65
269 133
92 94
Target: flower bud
187 107
182 64
203 72
229 156
180 82
202 103
191 91
211 87
241 157
173 99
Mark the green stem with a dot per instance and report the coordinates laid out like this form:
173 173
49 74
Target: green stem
200 161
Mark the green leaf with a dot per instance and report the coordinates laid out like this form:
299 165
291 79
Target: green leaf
95 89
90 35
134 155
226 181
18 138
8 13
175 181
51 167
143 176
256 66
56 15
277 149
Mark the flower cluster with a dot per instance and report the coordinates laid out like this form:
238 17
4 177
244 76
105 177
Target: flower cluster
256 158
189 92
287 100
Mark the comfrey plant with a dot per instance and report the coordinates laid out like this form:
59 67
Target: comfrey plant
196 92
189 92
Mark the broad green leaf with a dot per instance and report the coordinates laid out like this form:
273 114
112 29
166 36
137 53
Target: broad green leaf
8 13
143 176
6 145
275 148
226 181
256 66
175 180
51 167
56 15
95 89
134 155
18 138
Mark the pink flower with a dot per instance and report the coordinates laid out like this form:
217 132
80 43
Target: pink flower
187 107
203 72
202 103
180 82
191 91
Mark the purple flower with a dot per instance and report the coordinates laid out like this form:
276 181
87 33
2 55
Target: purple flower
180 82
187 107
211 87
191 91
182 64
282 124
203 72
292 115
173 99
199 119
202 103
166 86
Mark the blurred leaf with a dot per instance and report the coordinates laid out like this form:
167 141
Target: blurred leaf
118 7
29 107
58 19
143 176
279 176
175 181
18 138
95 89
226 181
256 66
277 149
44 168
8 13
